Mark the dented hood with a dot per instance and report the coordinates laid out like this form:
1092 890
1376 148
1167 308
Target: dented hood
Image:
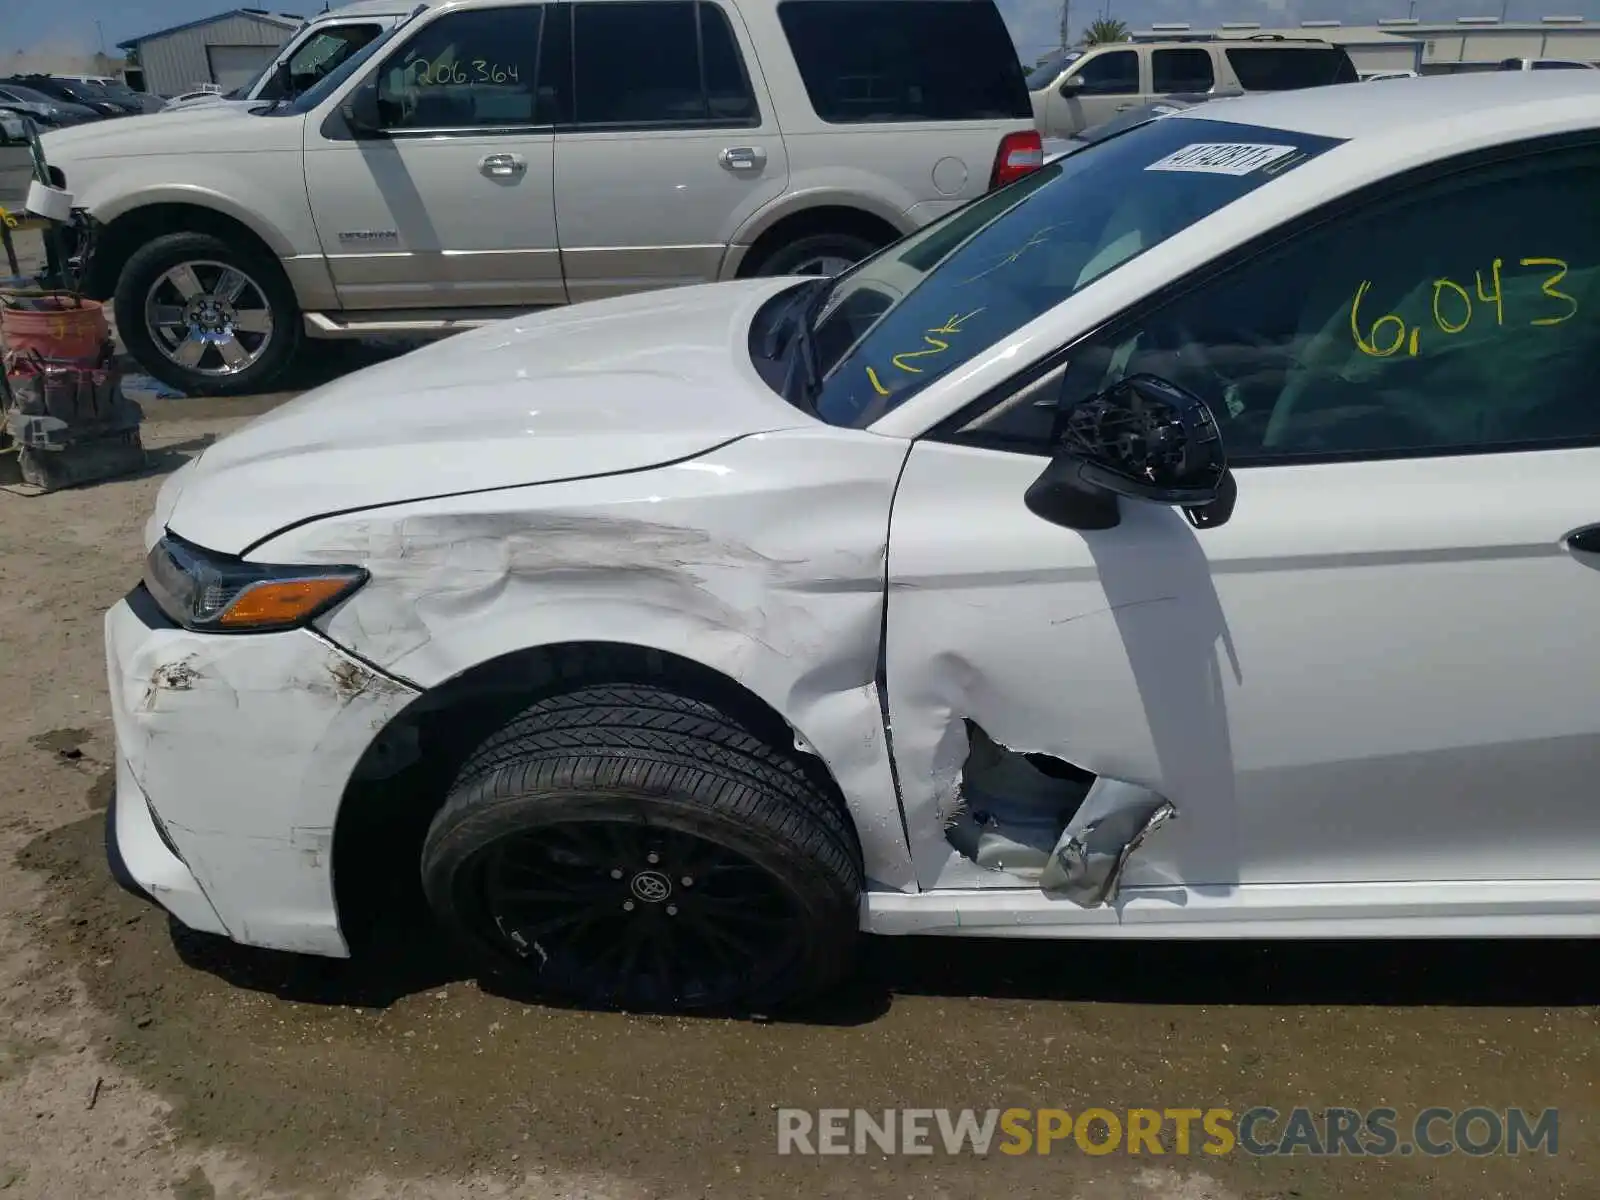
613 385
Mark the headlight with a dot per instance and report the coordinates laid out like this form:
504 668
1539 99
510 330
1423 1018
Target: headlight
214 593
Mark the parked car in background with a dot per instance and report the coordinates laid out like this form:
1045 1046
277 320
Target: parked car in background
1545 64
1075 89
314 51
75 91
119 92
420 187
48 110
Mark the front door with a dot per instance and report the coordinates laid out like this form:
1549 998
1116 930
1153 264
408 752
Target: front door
672 144
1377 672
453 206
1101 85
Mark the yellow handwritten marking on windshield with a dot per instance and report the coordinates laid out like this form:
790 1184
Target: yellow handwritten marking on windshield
9 221
1037 238
1453 310
937 345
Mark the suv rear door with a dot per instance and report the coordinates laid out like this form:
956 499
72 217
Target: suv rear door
668 143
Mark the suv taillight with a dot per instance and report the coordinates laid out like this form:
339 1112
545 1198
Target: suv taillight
1019 154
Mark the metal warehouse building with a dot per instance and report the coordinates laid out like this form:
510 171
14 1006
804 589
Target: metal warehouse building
1429 47
227 50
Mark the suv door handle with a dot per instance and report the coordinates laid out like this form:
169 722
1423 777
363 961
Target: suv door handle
502 166
1585 541
743 158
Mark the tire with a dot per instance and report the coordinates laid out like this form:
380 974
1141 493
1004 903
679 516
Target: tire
805 255
539 861
259 354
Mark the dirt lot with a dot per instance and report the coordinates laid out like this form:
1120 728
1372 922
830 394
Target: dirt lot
137 1060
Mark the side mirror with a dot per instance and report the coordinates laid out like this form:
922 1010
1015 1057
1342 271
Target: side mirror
1143 439
360 112
1071 84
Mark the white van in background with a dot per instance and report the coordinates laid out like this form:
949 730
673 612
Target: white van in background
1545 64
313 51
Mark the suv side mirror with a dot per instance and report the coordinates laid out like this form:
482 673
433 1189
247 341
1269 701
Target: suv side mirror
360 111
1071 84
1144 439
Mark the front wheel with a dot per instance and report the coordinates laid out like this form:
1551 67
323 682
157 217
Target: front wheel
207 317
623 846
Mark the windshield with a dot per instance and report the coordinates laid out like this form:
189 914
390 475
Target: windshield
334 79
1045 73
239 93
929 303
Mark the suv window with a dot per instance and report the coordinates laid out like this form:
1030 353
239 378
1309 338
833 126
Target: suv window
654 63
1181 71
1276 69
1452 316
316 56
1114 73
931 302
472 68
906 60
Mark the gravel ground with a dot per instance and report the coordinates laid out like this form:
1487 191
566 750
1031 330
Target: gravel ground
137 1060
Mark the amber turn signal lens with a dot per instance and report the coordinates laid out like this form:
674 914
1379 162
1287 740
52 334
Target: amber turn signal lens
283 602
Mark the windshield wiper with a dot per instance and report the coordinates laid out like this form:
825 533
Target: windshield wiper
803 381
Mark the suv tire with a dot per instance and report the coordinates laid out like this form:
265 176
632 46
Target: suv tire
623 845
817 254
207 317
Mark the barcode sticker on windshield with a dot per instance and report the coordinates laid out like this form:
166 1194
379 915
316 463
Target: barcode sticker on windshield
1221 158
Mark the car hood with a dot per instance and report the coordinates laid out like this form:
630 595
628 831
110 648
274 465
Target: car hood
212 129
598 388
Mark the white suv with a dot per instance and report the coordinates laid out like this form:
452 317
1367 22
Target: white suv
492 156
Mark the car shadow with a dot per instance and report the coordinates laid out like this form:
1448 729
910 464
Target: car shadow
412 957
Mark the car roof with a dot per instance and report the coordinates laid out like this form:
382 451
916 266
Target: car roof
369 8
1409 108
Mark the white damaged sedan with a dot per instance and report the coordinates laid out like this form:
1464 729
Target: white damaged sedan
1192 539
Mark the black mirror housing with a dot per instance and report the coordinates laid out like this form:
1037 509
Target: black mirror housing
1071 84
360 112
1143 438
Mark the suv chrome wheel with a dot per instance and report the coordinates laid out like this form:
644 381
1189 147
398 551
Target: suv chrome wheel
209 318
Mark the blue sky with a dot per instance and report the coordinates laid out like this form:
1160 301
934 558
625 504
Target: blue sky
71 25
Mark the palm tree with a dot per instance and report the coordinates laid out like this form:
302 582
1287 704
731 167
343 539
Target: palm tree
1105 29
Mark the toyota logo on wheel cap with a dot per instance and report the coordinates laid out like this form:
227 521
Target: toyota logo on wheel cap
651 886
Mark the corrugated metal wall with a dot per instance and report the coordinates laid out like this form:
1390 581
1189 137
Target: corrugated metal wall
176 62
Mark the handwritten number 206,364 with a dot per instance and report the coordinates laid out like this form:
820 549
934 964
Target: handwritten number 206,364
479 71
1453 308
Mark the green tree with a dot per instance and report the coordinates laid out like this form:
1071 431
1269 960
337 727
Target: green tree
1105 29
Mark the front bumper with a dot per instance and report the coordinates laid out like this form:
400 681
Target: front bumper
233 756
